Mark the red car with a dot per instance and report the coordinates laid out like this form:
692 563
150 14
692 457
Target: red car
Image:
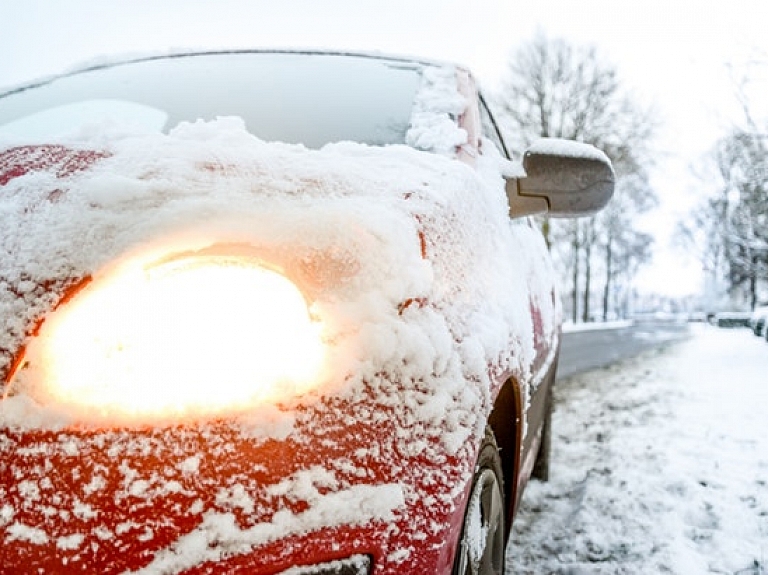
272 312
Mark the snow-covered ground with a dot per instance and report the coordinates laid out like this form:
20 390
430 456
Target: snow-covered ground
660 465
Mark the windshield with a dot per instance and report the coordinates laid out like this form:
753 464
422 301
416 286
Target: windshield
311 99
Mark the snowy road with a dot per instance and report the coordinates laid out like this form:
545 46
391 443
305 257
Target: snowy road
589 347
660 465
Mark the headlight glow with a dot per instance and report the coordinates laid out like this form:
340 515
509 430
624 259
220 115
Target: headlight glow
200 334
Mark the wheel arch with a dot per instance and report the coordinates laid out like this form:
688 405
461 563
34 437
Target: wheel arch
506 423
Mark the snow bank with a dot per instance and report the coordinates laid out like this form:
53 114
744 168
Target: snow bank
660 465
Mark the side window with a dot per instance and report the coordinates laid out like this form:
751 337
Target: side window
490 129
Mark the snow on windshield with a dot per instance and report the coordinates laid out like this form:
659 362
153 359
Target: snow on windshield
434 125
62 120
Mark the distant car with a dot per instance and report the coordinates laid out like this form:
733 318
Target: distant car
269 311
757 320
731 319
697 316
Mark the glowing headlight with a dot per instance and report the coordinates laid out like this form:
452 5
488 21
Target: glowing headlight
196 334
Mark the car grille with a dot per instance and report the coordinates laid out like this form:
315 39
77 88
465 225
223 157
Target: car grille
355 565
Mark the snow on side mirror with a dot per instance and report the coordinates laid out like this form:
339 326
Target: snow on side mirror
563 178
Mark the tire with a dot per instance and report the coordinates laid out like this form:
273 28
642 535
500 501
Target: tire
541 466
482 544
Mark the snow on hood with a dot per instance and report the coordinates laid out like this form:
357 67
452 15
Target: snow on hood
411 263
363 214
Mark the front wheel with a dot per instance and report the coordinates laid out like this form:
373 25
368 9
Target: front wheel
482 545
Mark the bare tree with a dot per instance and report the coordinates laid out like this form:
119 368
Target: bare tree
625 248
728 231
555 89
743 164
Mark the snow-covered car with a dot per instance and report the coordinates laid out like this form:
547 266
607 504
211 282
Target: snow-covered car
268 312
731 319
757 320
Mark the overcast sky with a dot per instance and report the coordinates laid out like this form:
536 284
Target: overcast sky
671 53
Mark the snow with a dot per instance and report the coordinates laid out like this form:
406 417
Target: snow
660 465
219 535
475 536
20 532
60 119
70 542
567 148
433 123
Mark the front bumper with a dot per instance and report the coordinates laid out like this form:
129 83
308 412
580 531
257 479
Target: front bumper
350 481
358 565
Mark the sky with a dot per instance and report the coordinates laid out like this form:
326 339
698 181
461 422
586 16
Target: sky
677 55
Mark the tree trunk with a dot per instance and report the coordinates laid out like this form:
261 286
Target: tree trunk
587 279
608 276
575 244
753 282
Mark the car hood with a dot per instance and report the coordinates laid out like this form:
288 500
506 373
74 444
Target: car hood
406 256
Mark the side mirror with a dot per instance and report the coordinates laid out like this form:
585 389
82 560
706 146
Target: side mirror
563 178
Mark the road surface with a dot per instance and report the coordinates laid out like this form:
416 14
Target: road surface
591 346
